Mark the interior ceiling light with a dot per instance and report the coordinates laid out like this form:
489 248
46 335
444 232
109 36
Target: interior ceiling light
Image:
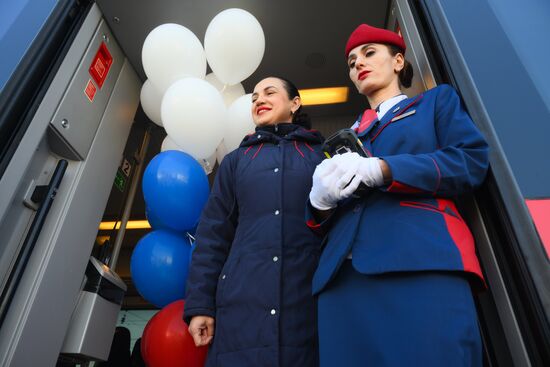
102 239
132 224
317 96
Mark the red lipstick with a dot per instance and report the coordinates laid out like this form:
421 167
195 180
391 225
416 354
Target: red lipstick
362 75
259 109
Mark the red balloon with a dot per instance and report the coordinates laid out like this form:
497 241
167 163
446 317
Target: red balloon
166 342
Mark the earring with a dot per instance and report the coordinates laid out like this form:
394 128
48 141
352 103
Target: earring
291 112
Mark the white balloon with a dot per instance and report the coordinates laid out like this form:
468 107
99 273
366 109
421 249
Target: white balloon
151 99
239 122
171 52
193 115
234 44
228 92
169 144
207 164
221 152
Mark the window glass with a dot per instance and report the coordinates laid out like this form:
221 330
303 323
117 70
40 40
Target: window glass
526 25
20 22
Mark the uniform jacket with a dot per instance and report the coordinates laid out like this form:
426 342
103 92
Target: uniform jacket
255 256
435 153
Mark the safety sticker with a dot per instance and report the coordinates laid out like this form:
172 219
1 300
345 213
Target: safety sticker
90 90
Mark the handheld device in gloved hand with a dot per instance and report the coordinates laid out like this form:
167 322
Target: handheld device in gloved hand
344 141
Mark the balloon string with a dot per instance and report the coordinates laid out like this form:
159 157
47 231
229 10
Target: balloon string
223 89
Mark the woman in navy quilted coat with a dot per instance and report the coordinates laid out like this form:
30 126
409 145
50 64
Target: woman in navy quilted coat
249 285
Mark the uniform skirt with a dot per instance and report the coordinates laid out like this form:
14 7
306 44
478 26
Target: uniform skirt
398 319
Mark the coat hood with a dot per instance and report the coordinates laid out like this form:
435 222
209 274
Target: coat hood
283 131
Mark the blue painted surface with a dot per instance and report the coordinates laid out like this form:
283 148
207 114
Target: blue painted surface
495 51
526 23
20 22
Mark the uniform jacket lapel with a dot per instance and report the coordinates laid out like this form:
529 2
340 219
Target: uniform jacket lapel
402 109
374 126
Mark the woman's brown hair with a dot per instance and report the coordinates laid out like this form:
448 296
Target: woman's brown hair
406 74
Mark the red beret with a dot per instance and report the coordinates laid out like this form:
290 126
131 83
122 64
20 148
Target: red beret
367 34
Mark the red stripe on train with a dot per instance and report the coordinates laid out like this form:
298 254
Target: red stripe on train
540 212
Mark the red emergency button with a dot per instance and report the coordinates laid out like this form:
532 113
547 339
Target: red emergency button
99 69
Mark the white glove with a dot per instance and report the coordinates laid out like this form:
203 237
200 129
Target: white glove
368 169
330 184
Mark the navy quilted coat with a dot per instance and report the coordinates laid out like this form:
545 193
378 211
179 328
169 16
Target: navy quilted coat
255 256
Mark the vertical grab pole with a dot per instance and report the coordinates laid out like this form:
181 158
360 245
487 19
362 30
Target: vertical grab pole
130 200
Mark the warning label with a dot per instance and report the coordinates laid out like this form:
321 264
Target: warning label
99 68
90 90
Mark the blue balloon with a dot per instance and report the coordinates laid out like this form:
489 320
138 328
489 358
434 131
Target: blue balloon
175 189
159 266
156 223
153 220
192 230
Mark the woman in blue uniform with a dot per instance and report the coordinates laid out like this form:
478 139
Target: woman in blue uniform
249 285
394 276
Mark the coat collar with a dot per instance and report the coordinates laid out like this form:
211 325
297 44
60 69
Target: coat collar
396 110
390 104
284 131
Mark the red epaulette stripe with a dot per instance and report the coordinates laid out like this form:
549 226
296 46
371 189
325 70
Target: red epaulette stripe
298 149
258 151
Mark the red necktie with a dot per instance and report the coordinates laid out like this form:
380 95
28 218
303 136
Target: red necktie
366 119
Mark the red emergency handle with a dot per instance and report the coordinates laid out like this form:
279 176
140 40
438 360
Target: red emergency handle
99 69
